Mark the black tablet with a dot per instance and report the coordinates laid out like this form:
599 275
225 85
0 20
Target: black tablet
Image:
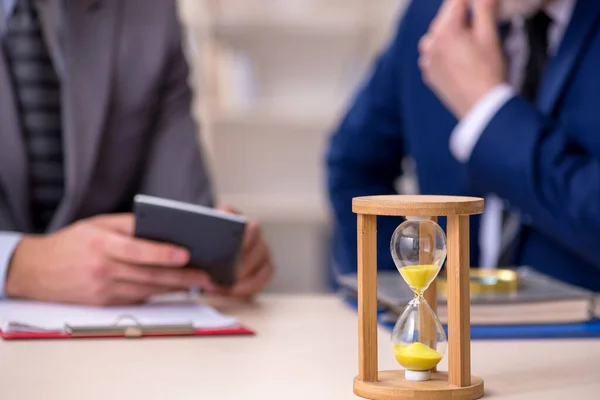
213 238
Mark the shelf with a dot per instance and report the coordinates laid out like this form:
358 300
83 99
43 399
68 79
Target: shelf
274 78
278 208
309 24
264 118
305 16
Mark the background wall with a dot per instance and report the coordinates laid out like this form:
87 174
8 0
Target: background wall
272 78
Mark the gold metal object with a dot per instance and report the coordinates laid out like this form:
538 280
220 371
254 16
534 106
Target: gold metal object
484 281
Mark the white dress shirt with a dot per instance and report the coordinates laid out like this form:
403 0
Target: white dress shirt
466 134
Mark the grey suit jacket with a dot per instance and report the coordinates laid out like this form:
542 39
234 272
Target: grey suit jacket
126 110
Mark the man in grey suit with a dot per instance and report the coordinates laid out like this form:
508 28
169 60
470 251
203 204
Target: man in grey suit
95 108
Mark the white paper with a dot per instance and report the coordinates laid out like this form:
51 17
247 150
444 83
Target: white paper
36 316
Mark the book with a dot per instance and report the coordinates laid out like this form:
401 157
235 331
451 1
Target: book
539 299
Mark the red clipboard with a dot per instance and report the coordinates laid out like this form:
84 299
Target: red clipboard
23 320
127 332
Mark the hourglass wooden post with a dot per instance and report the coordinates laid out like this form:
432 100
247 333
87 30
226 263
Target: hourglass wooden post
457 383
427 325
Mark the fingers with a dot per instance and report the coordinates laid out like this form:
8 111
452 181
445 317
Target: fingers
452 14
122 223
254 284
457 13
162 277
451 17
252 233
230 210
440 16
256 271
139 251
252 236
485 14
122 246
425 45
138 265
128 293
253 260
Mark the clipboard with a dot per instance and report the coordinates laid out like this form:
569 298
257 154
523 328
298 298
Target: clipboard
129 332
30 320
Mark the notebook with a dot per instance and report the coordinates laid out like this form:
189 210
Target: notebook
540 299
579 330
174 315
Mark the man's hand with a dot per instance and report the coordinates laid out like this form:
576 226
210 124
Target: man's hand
256 267
97 261
462 60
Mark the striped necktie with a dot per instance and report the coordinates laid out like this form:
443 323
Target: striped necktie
37 91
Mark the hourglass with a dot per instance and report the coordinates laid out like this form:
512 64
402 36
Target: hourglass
419 248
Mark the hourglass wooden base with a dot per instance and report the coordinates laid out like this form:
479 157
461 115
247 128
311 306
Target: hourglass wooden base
390 385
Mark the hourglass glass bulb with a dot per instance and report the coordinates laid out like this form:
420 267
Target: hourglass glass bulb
418 247
418 340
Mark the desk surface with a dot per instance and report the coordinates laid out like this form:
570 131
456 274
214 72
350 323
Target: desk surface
305 347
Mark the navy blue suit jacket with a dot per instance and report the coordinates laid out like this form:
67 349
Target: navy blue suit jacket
543 159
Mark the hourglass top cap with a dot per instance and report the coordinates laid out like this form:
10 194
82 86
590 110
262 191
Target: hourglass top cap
417 205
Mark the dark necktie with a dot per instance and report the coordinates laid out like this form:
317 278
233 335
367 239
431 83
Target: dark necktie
37 90
537 38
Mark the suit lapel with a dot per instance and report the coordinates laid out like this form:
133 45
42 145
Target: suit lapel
89 45
13 157
585 19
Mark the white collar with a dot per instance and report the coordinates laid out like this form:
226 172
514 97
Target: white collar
560 11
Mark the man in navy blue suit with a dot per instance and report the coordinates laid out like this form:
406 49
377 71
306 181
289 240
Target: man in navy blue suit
491 98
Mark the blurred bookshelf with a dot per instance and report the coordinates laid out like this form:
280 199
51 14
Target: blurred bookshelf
272 79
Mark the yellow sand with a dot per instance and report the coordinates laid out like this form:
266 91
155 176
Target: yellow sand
419 277
417 356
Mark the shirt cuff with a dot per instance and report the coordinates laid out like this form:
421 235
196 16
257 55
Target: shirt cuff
8 243
465 135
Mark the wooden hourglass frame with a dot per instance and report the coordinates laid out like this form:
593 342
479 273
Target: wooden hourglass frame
457 383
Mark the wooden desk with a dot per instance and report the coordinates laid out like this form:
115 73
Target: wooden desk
305 349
